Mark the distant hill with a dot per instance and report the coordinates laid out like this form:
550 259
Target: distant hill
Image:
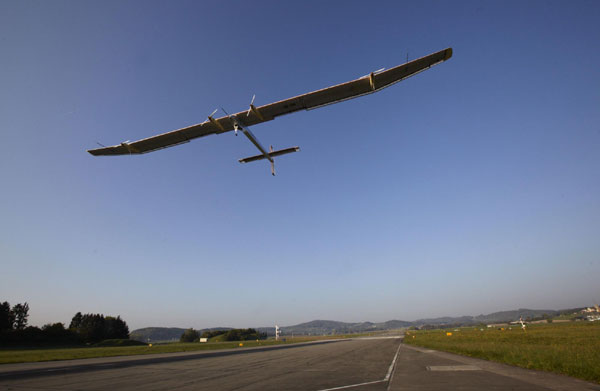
324 327
328 327
496 317
514 315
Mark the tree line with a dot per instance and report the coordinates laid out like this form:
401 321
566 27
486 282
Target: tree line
191 335
83 329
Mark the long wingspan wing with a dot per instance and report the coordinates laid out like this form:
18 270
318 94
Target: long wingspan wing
312 100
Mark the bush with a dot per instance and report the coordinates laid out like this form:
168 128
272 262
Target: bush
243 335
214 333
189 335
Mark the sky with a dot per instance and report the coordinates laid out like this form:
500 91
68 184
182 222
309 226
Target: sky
470 188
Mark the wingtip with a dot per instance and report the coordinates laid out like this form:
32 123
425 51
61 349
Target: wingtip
448 54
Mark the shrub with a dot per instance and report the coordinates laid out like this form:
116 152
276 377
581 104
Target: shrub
189 335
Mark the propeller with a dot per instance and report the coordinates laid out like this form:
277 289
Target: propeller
213 113
251 103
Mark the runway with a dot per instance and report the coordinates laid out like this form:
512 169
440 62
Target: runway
357 364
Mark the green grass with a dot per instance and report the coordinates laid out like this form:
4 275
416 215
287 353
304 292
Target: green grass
119 342
571 349
33 355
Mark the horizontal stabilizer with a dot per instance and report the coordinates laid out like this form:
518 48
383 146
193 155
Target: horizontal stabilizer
271 154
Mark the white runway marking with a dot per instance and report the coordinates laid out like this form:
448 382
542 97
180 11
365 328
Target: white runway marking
385 379
391 368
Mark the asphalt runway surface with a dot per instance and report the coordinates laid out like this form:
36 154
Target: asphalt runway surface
357 364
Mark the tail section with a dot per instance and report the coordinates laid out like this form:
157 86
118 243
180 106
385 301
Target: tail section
270 156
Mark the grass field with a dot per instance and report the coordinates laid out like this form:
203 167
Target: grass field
32 355
571 349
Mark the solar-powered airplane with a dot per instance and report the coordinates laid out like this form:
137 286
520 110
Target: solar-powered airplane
367 84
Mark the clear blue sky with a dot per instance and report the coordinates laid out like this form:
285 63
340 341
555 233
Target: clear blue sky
470 188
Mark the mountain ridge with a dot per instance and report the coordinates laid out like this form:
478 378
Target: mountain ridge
328 327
